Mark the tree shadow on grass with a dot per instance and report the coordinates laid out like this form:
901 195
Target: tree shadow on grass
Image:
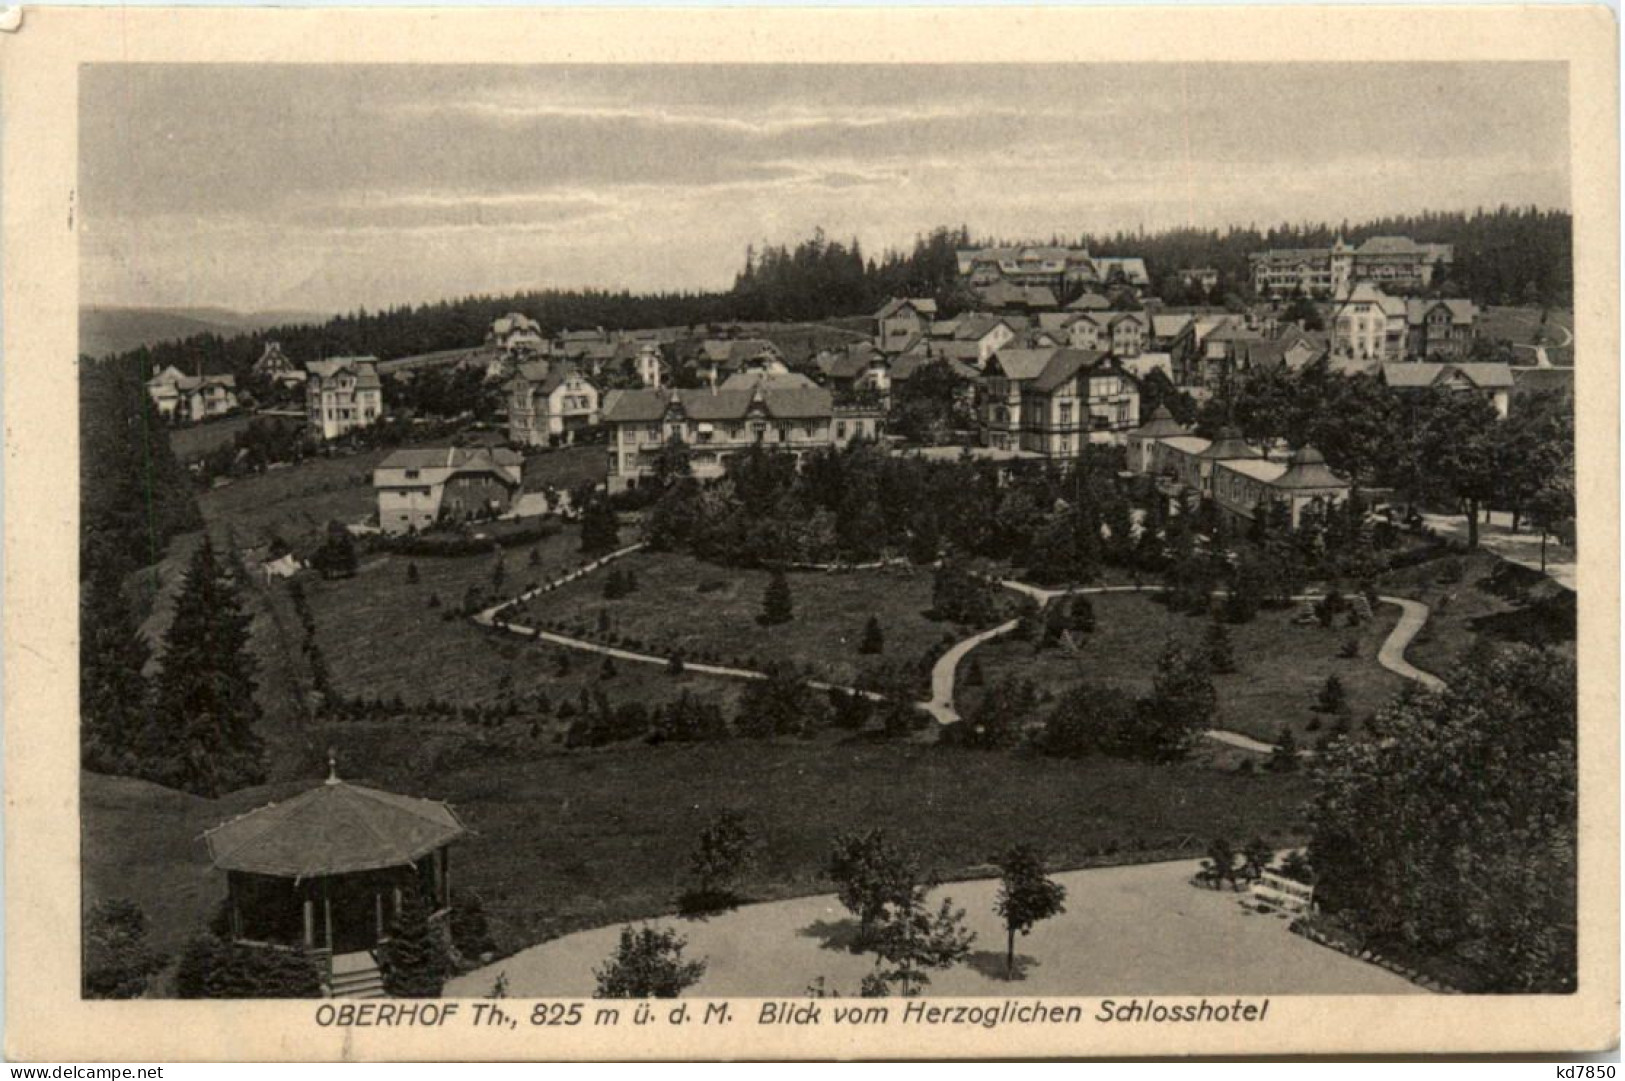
844 935
991 963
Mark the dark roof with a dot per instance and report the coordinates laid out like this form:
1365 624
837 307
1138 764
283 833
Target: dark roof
1461 311
1022 364
1228 446
1161 424
1065 364
976 327
546 375
365 370
1261 352
644 405
1089 302
334 828
1308 469
847 365
922 305
1410 374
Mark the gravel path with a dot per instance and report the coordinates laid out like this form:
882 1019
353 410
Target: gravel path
1140 930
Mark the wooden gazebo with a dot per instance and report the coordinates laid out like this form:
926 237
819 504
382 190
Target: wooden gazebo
326 870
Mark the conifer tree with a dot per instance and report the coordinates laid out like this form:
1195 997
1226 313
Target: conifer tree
777 605
202 737
1333 698
113 694
414 960
874 639
600 532
1221 656
1284 759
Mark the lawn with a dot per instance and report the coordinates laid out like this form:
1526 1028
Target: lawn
143 842
565 467
686 605
196 440
564 842
296 502
1488 597
1281 666
382 639
1520 327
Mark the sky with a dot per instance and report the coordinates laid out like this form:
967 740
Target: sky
321 188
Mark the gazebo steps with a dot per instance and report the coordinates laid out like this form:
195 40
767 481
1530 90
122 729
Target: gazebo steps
356 975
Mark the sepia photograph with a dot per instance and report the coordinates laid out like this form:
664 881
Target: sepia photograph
1082 544
770 531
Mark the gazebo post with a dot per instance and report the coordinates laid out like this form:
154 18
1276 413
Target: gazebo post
310 920
327 915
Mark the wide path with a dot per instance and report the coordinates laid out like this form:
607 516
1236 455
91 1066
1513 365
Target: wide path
1523 548
1141 930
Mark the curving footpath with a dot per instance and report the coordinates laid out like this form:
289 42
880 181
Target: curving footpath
1413 616
1391 655
941 705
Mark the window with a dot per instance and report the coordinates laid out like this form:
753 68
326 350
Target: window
840 429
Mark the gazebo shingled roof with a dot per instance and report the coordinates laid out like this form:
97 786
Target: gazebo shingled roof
333 828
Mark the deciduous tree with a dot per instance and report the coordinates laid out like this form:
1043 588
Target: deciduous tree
1026 895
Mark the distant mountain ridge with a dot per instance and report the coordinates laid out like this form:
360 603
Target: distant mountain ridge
104 331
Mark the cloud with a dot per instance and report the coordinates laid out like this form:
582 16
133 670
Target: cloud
331 186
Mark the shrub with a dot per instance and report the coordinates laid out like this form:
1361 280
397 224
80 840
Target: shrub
850 710
212 968
647 963
470 933
117 961
688 719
